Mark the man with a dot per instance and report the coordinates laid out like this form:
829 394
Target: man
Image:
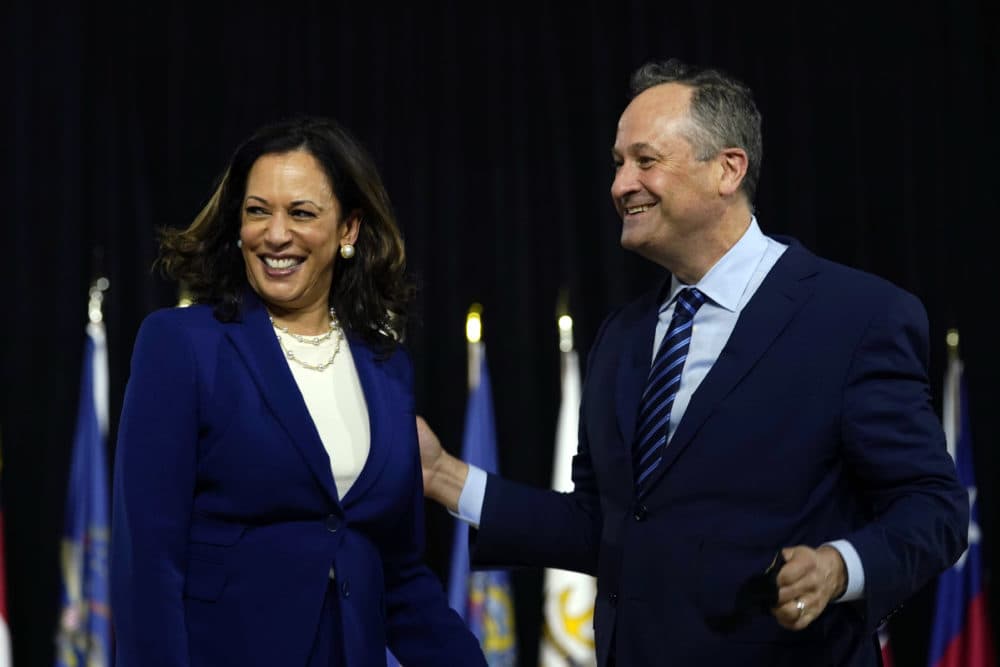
760 478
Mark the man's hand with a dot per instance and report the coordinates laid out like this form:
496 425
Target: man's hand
807 583
444 475
430 451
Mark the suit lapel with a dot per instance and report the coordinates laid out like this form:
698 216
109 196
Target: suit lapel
636 355
256 343
769 311
381 427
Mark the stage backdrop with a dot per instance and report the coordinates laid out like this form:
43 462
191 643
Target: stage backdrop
492 125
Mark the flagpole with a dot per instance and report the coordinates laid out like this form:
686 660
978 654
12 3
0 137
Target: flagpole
5 660
951 340
98 333
95 305
568 600
950 409
473 337
960 633
482 598
83 636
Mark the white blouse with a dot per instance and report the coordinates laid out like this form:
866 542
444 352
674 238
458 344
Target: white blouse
335 401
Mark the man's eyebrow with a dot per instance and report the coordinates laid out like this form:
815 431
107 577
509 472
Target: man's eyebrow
641 146
637 147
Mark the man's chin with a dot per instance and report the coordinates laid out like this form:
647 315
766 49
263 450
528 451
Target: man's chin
631 241
643 247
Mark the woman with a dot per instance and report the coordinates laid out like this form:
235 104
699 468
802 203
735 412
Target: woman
267 488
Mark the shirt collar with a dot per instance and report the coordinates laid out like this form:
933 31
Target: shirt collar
726 281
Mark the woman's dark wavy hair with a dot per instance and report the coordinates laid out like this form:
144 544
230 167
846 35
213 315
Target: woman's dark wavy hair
370 292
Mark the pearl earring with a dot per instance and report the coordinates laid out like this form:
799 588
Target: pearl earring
347 250
239 243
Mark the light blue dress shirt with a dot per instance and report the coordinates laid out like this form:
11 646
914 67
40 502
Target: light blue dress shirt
729 285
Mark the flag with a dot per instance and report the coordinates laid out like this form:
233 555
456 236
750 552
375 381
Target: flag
883 643
84 634
568 611
960 635
5 660
482 598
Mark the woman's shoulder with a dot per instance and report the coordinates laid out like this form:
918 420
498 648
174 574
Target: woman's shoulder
197 321
177 337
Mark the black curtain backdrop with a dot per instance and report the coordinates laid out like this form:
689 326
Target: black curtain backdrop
492 125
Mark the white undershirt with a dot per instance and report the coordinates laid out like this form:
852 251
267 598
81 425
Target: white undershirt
335 402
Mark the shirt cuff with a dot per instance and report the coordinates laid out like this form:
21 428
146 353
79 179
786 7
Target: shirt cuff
855 589
470 502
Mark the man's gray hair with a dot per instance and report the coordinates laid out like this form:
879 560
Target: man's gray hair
723 112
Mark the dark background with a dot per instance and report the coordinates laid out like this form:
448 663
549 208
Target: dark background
492 125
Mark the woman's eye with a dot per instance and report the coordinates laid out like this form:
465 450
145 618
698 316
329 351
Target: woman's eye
300 214
255 210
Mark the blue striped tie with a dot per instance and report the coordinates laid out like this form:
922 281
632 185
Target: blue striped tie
661 389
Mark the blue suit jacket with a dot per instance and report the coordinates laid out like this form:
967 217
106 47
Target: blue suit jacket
814 424
226 519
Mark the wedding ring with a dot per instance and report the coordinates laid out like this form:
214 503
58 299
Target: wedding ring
800 606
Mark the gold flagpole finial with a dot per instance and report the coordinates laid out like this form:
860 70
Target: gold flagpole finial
474 323
951 339
474 336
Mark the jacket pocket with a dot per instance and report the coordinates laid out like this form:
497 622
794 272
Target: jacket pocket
207 530
204 580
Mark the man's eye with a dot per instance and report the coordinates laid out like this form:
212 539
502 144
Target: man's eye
644 161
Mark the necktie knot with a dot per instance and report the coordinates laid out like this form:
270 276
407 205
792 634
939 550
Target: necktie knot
689 300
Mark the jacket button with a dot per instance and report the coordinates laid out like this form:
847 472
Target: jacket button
345 589
640 512
332 523
613 599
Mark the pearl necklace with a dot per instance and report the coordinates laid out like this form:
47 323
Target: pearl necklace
310 340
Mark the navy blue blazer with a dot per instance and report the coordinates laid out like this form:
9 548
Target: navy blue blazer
814 424
226 519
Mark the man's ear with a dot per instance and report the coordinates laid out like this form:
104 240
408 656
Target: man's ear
733 167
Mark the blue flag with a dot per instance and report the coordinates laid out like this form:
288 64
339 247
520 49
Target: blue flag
483 598
84 636
960 635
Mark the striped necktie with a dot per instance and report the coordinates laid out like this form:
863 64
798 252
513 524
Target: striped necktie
661 389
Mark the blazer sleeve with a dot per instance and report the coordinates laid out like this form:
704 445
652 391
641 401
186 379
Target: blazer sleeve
153 492
421 629
525 526
894 445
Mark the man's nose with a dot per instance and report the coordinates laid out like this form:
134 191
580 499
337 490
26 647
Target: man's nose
624 182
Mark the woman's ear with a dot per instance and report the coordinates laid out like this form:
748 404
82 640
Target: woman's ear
350 227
